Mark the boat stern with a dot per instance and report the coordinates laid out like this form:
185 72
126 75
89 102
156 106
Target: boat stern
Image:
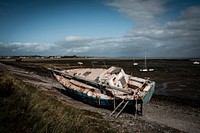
149 94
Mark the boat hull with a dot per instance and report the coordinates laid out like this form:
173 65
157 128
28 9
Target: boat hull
98 102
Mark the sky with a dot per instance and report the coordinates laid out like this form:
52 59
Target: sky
101 28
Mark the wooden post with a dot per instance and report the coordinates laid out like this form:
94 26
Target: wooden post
114 100
104 64
135 108
92 64
99 102
141 107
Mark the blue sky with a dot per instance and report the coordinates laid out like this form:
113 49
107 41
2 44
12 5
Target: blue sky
48 21
104 28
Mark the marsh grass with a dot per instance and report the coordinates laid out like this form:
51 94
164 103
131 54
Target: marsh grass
24 108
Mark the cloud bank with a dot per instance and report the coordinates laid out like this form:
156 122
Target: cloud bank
178 38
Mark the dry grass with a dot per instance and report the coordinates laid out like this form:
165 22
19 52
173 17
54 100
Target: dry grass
24 108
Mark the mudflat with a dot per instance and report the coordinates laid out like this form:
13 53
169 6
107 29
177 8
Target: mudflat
173 108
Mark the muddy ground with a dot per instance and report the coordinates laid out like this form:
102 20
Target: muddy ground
161 114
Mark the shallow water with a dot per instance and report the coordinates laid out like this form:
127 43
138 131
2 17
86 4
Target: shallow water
179 78
181 89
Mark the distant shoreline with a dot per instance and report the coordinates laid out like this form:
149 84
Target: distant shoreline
25 58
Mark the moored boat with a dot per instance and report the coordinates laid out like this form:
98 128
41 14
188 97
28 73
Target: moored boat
105 87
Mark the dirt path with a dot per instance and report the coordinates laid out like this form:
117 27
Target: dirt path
159 116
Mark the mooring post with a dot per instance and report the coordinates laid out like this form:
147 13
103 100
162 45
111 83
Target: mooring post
135 108
99 101
114 100
141 107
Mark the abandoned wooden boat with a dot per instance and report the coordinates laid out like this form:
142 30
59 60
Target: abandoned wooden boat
105 87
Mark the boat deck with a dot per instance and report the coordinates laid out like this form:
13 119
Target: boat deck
89 73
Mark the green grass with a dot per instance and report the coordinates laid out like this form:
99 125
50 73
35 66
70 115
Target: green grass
24 108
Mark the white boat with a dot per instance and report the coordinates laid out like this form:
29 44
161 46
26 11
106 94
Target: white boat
196 63
151 70
105 87
135 63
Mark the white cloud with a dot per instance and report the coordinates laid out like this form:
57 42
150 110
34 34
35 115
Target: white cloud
75 38
77 50
27 48
141 11
82 45
44 47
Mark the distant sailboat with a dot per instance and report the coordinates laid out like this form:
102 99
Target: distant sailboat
145 66
80 63
134 63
